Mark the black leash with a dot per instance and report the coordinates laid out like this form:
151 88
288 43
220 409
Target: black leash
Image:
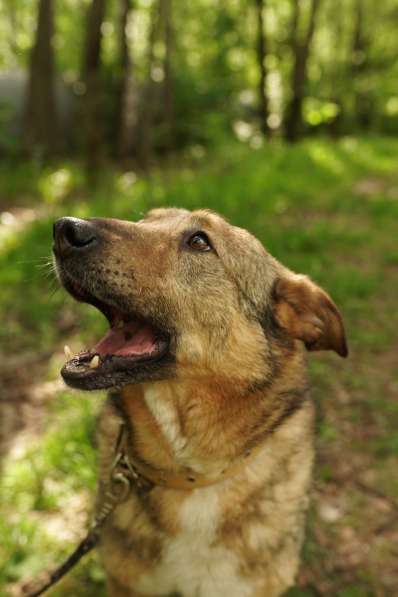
88 543
122 479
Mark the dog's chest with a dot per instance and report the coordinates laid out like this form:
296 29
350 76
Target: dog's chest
184 451
165 415
194 562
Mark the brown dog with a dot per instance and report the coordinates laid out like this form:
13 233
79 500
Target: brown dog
205 357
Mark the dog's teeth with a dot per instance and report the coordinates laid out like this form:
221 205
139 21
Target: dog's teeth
68 353
94 362
119 324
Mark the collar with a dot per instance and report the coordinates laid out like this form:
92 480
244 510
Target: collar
146 477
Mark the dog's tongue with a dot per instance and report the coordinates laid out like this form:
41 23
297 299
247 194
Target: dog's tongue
132 339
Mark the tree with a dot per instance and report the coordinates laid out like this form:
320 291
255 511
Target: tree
168 35
261 56
159 60
359 67
337 71
147 104
41 125
91 109
301 51
126 104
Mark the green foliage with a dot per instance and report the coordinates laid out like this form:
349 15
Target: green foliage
47 476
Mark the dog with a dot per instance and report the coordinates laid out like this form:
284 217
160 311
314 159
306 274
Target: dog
205 363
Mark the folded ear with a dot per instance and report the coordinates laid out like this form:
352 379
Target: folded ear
308 313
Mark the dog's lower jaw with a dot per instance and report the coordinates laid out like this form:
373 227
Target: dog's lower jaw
246 532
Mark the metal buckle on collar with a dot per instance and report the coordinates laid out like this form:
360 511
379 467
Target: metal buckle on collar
123 470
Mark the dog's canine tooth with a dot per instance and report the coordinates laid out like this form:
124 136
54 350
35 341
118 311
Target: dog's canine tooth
94 362
68 353
119 324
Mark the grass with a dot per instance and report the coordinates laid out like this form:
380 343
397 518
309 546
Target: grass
323 208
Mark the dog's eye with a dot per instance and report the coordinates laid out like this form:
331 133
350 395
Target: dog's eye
199 242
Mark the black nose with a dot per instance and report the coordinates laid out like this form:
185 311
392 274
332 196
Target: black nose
72 233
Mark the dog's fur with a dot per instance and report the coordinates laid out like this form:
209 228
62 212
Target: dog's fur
234 393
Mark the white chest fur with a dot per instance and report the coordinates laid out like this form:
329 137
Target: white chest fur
161 403
163 410
194 563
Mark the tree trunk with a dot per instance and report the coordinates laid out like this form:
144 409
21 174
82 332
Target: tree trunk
126 116
263 109
91 76
362 101
169 122
41 127
301 50
146 111
337 78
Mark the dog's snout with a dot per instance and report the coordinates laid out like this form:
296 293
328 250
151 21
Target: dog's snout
73 234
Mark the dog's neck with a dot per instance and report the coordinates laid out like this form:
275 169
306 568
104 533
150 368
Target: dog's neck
204 427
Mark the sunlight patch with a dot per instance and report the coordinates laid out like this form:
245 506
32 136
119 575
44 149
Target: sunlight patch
56 185
326 158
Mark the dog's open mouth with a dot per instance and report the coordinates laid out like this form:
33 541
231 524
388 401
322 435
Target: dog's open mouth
130 344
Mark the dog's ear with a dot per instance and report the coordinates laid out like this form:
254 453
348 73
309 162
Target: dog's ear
308 313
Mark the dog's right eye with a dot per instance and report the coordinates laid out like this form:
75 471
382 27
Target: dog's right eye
199 242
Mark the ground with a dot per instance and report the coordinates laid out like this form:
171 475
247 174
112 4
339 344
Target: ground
323 208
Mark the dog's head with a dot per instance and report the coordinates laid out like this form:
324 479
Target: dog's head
186 295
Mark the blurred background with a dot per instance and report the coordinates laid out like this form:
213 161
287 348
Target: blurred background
280 114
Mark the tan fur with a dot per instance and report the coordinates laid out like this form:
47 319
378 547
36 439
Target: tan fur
237 395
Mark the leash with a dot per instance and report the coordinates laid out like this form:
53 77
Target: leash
122 479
